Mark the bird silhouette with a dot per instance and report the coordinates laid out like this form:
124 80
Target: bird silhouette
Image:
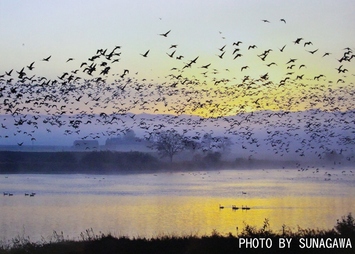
46 59
221 55
172 54
31 67
282 49
313 51
145 54
298 40
267 116
165 34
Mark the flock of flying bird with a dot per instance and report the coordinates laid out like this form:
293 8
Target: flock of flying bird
301 112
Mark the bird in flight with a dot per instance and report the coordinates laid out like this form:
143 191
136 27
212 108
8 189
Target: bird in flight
9 72
31 67
165 34
292 60
206 66
46 59
221 49
172 54
221 55
312 52
145 54
282 49
237 55
244 68
283 20
298 40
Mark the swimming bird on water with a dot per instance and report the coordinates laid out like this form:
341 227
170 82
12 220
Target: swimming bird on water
245 208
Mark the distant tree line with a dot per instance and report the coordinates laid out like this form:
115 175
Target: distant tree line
75 162
99 162
107 162
168 143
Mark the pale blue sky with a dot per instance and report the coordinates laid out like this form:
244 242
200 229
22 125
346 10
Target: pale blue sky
32 30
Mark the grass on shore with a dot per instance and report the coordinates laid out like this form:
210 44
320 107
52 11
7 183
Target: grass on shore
214 243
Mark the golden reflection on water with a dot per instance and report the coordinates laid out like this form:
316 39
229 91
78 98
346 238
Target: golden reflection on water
191 215
174 204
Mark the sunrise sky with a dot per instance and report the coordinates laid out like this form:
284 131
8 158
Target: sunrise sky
33 30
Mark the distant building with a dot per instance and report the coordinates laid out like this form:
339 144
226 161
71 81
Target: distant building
127 142
86 145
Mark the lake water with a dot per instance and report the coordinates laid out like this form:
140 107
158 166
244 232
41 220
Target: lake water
180 203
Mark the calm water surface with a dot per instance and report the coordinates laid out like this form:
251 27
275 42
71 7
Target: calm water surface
181 203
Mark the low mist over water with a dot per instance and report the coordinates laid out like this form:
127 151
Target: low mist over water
173 203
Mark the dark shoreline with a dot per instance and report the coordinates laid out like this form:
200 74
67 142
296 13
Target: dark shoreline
340 239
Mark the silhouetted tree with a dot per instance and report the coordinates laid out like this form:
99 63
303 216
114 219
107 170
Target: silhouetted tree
168 143
210 143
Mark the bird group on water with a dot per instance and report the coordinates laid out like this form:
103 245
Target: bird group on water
234 207
10 194
299 110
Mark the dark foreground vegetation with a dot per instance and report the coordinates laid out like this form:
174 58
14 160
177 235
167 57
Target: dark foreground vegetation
322 241
107 162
